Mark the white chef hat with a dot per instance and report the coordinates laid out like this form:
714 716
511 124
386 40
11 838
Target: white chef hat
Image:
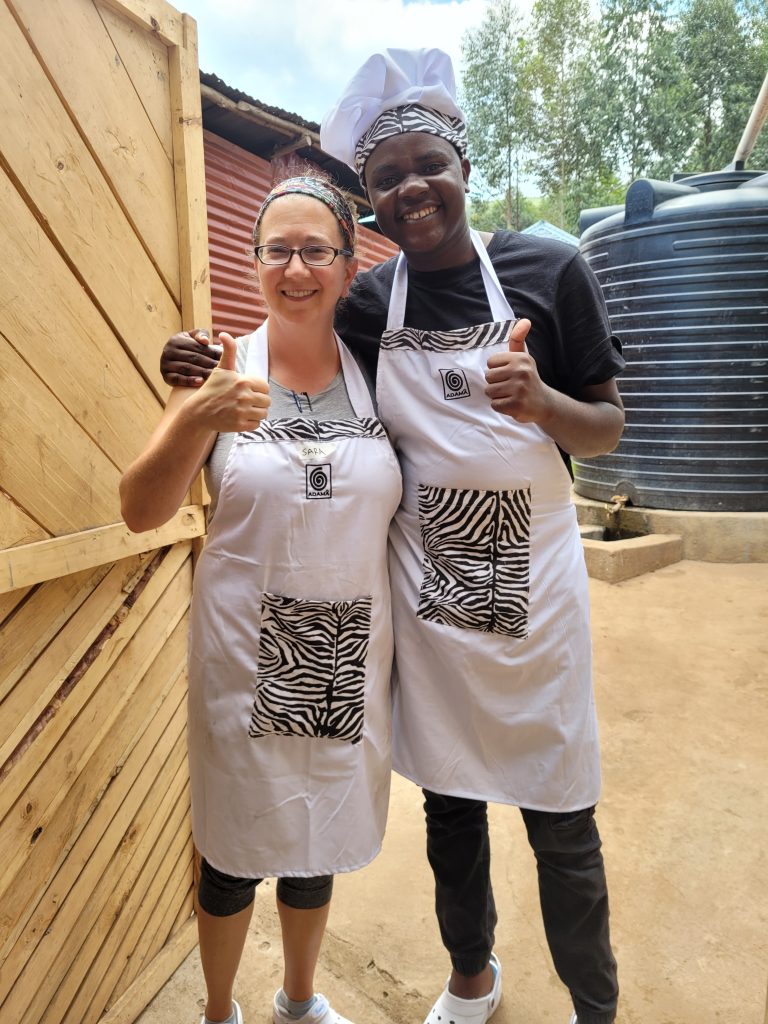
395 91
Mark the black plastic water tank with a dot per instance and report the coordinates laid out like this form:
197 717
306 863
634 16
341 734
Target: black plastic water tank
684 271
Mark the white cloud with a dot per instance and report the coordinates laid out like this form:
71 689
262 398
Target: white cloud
299 54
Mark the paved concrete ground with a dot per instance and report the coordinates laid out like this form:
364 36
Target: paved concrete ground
682 679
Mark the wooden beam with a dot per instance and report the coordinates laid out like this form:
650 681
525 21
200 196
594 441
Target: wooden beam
159 17
290 147
48 559
253 113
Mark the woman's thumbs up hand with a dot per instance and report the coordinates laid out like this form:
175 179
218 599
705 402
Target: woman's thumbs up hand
514 385
229 402
228 358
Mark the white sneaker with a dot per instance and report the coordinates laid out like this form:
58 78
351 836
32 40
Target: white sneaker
450 1009
238 1014
320 1012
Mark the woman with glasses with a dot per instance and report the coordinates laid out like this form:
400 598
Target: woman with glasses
291 639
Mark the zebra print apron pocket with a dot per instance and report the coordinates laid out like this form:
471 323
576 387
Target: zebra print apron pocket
476 558
310 678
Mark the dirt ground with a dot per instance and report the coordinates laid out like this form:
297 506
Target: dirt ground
681 677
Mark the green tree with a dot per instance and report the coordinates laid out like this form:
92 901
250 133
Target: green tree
756 20
491 214
497 99
722 47
568 147
636 86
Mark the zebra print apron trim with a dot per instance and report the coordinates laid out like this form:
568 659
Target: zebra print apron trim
476 558
310 677
410 118
448 341
300 428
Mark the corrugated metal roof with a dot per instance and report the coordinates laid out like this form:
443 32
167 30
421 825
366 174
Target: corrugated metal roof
547 230
238 95
268 135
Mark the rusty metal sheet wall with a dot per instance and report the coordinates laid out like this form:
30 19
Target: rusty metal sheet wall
236 183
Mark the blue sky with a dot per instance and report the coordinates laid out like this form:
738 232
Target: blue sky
299 54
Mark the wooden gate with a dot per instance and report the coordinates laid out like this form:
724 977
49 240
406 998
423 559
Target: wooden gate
104 255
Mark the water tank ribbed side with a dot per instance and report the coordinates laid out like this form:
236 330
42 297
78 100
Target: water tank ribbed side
687 293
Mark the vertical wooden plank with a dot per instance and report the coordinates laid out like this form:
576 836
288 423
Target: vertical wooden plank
189 164
187 905
109 954
112 968
189 167
159 924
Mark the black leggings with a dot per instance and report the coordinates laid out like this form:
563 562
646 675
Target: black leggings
223 895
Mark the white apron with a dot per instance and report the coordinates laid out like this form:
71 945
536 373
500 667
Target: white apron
291 645
492 686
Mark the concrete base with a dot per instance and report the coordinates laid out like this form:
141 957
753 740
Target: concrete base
706 536
618 560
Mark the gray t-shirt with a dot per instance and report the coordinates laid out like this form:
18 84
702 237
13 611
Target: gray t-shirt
332 403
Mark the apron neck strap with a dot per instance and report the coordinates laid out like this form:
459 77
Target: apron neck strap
257 365
500 307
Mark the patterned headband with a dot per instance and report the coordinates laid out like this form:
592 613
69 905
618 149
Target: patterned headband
411 118
318 189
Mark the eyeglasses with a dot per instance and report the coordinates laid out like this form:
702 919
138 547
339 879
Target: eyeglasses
312 255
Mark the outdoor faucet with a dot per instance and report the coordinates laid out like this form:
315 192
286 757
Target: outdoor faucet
618 503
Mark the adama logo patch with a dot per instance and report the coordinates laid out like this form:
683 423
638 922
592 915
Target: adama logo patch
319 481
455 384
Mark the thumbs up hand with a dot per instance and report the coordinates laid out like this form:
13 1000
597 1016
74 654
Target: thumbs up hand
514 385
518 332
229 401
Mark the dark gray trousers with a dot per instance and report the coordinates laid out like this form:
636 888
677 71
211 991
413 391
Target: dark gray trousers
572 891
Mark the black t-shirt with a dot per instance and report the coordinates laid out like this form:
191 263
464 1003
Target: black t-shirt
546 281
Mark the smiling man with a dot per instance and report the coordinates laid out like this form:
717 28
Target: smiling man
492 689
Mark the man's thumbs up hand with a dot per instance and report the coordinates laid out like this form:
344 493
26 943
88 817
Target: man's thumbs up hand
514 385
517 335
